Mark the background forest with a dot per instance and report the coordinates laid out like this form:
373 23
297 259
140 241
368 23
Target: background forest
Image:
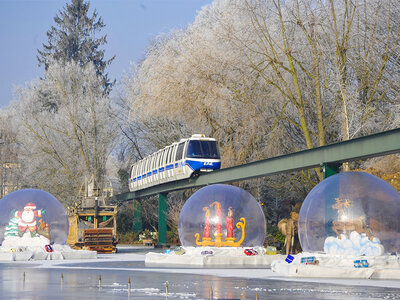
263 77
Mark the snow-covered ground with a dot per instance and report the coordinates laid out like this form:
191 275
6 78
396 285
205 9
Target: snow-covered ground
124 257
43 279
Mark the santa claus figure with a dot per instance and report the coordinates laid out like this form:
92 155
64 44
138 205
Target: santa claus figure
27 219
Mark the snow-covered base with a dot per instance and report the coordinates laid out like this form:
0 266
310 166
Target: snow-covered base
60 252
25 240
336 266
223 256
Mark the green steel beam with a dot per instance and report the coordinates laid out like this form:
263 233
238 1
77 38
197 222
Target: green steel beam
379 144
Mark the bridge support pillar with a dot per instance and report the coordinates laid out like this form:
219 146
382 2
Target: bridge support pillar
162 218
330 169
137 217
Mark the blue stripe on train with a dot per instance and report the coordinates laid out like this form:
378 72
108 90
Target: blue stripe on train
197 165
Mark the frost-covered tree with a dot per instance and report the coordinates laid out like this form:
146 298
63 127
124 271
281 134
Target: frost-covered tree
74 38
200 78
60 148
268 77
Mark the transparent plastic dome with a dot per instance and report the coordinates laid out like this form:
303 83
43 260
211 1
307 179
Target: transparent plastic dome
351 213
31 217
222 215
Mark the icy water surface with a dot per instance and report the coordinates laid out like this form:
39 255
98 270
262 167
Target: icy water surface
80 282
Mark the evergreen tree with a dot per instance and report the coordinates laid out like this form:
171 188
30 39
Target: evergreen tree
74 39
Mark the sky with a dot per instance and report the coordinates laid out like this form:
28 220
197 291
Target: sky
131 25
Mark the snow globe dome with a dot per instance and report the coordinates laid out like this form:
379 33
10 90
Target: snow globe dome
32 217
351 213
222 215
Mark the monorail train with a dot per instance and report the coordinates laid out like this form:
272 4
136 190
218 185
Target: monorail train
181 160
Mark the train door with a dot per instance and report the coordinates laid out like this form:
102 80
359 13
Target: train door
179 161
139 174
145 171
134 175
131 178
172 162
167 163
157 167
154 169
162 164
150 170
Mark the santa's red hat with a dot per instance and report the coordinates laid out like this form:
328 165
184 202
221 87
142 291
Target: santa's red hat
30 206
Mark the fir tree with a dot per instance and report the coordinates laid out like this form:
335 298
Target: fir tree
74 39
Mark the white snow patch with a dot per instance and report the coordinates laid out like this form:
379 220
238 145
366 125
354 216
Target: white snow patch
36 251
355 245
340 266
25 241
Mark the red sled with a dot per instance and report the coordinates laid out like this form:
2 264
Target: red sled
48 248
250 252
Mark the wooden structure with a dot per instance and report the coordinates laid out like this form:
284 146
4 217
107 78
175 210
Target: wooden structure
92 219
100 240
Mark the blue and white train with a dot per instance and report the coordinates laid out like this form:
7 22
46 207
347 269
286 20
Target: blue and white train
181 160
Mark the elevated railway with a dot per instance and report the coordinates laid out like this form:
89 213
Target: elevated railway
328 157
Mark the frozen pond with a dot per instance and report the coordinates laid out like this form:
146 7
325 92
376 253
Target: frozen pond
81 280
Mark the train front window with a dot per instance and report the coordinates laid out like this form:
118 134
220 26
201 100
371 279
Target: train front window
202 149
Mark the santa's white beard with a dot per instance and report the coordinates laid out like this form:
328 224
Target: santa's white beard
27 216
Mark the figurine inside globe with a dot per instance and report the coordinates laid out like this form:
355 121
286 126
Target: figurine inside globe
222 216
351 213
32 217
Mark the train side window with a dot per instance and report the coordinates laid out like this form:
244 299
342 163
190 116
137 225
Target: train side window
163 157
146 170
173 156
149 159
153 163
139 169
144 166
168 155
185 149
159 159
146 162
179 151
133 172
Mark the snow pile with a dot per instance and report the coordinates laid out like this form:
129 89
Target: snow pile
213 256
14 241
37 251
340 266
356 244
